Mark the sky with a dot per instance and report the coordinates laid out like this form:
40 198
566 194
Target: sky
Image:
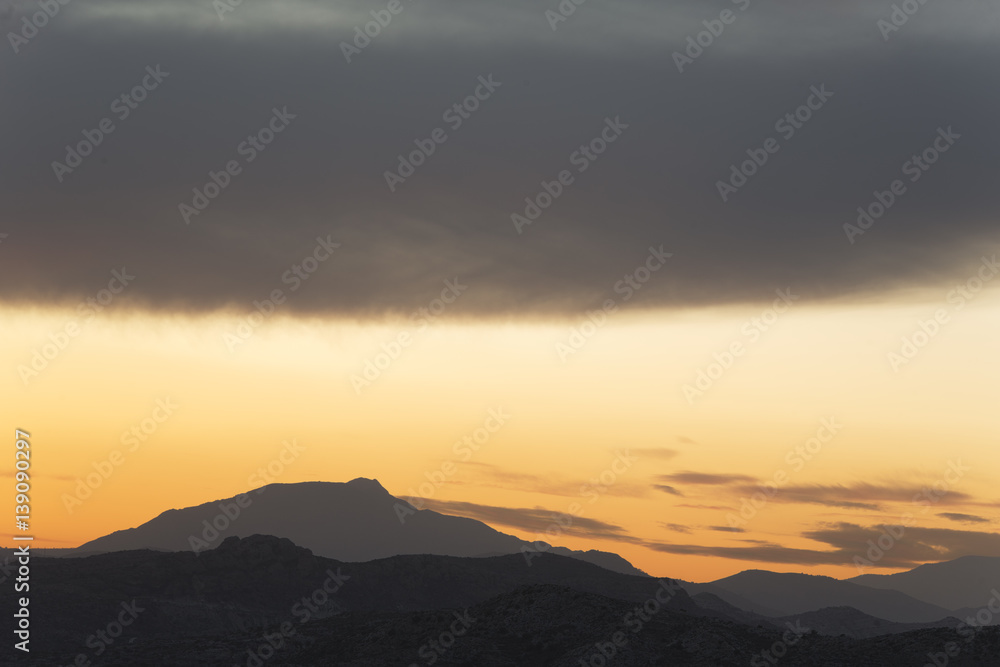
709 285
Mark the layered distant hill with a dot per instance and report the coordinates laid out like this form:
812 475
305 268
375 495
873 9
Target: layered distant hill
350 522
832 621
360 521
785 594
212 579
259 580
263 600
969 582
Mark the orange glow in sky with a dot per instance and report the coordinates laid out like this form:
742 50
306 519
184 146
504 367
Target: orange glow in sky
157 413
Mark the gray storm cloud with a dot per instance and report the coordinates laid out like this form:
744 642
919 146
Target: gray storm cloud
324 173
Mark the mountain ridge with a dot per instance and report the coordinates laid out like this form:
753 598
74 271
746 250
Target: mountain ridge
360 521
964 583
776 594
263 593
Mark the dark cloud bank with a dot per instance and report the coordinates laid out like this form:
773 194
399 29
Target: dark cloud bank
656 184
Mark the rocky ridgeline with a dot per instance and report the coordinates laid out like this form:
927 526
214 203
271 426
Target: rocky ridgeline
263 600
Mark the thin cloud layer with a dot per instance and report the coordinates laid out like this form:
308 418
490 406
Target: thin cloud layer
860 495
654 452
851 541
534 520
706 478
551 483
964 518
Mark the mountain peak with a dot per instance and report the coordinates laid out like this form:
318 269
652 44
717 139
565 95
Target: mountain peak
365 483
354 521
357 484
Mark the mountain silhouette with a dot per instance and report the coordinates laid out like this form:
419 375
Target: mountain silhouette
364 578
265 596
259 581
969 582
848 621
830 621
775 594
346 521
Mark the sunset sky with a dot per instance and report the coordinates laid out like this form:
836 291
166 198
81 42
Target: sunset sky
654 342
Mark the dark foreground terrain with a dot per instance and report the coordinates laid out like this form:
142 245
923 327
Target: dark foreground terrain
263 601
